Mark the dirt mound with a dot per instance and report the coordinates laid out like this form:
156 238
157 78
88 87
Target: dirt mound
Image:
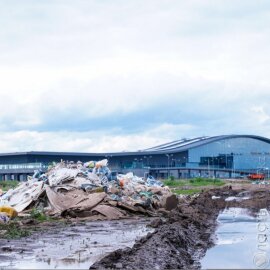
178 242
183 238
253 200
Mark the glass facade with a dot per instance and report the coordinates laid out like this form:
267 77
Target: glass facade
36 166
235 153
225 157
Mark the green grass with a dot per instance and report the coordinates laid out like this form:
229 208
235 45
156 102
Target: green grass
39 215
195 182
6 185
13 230
186 191
180 186
174 183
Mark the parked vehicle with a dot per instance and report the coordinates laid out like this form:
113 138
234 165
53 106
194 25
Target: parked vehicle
256 176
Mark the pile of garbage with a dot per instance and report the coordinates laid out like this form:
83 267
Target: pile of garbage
87 189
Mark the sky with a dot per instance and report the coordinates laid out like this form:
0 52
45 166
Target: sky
117 75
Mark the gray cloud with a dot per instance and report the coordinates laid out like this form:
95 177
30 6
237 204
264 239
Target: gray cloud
121 68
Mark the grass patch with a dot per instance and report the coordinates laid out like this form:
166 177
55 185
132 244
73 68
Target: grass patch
6 185
187 191
174 183
206 182
195 182
13 230
39 215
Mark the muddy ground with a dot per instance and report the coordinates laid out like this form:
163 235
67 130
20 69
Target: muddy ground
179 240
183 239
73 246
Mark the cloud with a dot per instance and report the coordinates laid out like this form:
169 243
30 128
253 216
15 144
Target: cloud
89 141
121 69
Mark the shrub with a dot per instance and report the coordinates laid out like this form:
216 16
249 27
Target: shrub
37 214
6 185
14 230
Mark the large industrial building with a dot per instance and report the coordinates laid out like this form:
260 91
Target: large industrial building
219 156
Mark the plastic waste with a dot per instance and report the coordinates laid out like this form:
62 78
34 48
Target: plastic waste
3 201
10 211
122 182
115 197
146 194
89 188
95 190
102 163
4 218
61 175
86 187
90 164
101 171
68 182
144 204
37 174
43 178
151 181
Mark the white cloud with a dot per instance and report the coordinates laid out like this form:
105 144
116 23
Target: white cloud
259 115
90 141
102 142
63 62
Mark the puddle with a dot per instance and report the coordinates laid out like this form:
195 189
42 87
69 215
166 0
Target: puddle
242 241
238 199
72 247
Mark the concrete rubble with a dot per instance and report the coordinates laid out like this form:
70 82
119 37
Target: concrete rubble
83 190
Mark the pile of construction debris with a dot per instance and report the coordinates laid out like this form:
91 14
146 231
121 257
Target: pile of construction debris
82 190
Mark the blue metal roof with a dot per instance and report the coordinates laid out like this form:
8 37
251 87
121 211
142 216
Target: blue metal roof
175 144
183 145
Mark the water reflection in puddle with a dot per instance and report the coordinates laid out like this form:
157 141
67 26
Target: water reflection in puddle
237 241
73 247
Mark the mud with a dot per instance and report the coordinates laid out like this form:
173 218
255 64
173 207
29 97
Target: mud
73 246
188 232
178 239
